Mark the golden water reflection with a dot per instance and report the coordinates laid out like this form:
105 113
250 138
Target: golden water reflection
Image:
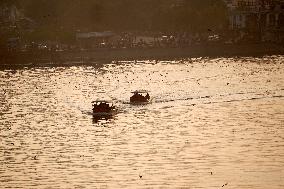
213 123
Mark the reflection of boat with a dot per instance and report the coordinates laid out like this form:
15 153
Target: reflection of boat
140 96
100 117
103 108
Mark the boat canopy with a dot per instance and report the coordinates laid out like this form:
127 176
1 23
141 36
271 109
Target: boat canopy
140 91
99 101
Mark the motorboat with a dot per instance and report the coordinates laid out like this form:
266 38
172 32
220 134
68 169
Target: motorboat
140 96
103 108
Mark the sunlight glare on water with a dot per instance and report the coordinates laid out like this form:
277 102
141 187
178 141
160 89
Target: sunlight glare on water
212 123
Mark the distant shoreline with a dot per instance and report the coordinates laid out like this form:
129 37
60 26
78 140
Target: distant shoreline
69 58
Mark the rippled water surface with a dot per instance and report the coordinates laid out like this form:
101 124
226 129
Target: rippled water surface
213 123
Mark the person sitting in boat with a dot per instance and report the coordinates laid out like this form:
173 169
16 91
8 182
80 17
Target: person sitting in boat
147 96
112 107
140 97
99 107
96 108
104 107
135 97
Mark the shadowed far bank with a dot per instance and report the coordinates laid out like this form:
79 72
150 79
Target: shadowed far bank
60 32
103 55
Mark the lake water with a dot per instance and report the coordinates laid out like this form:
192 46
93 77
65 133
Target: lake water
212 123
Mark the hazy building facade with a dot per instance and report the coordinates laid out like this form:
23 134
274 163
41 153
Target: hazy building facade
257 19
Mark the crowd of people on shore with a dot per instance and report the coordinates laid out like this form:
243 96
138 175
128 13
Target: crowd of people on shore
123 40
116 41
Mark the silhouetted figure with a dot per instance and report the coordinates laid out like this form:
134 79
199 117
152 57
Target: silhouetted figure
147 96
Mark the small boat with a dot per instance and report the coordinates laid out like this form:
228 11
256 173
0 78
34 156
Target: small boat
103 108
140 97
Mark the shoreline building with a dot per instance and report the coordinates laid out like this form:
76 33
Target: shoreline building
11 18
13 24
256 20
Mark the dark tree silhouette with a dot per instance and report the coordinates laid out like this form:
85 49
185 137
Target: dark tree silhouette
58 17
